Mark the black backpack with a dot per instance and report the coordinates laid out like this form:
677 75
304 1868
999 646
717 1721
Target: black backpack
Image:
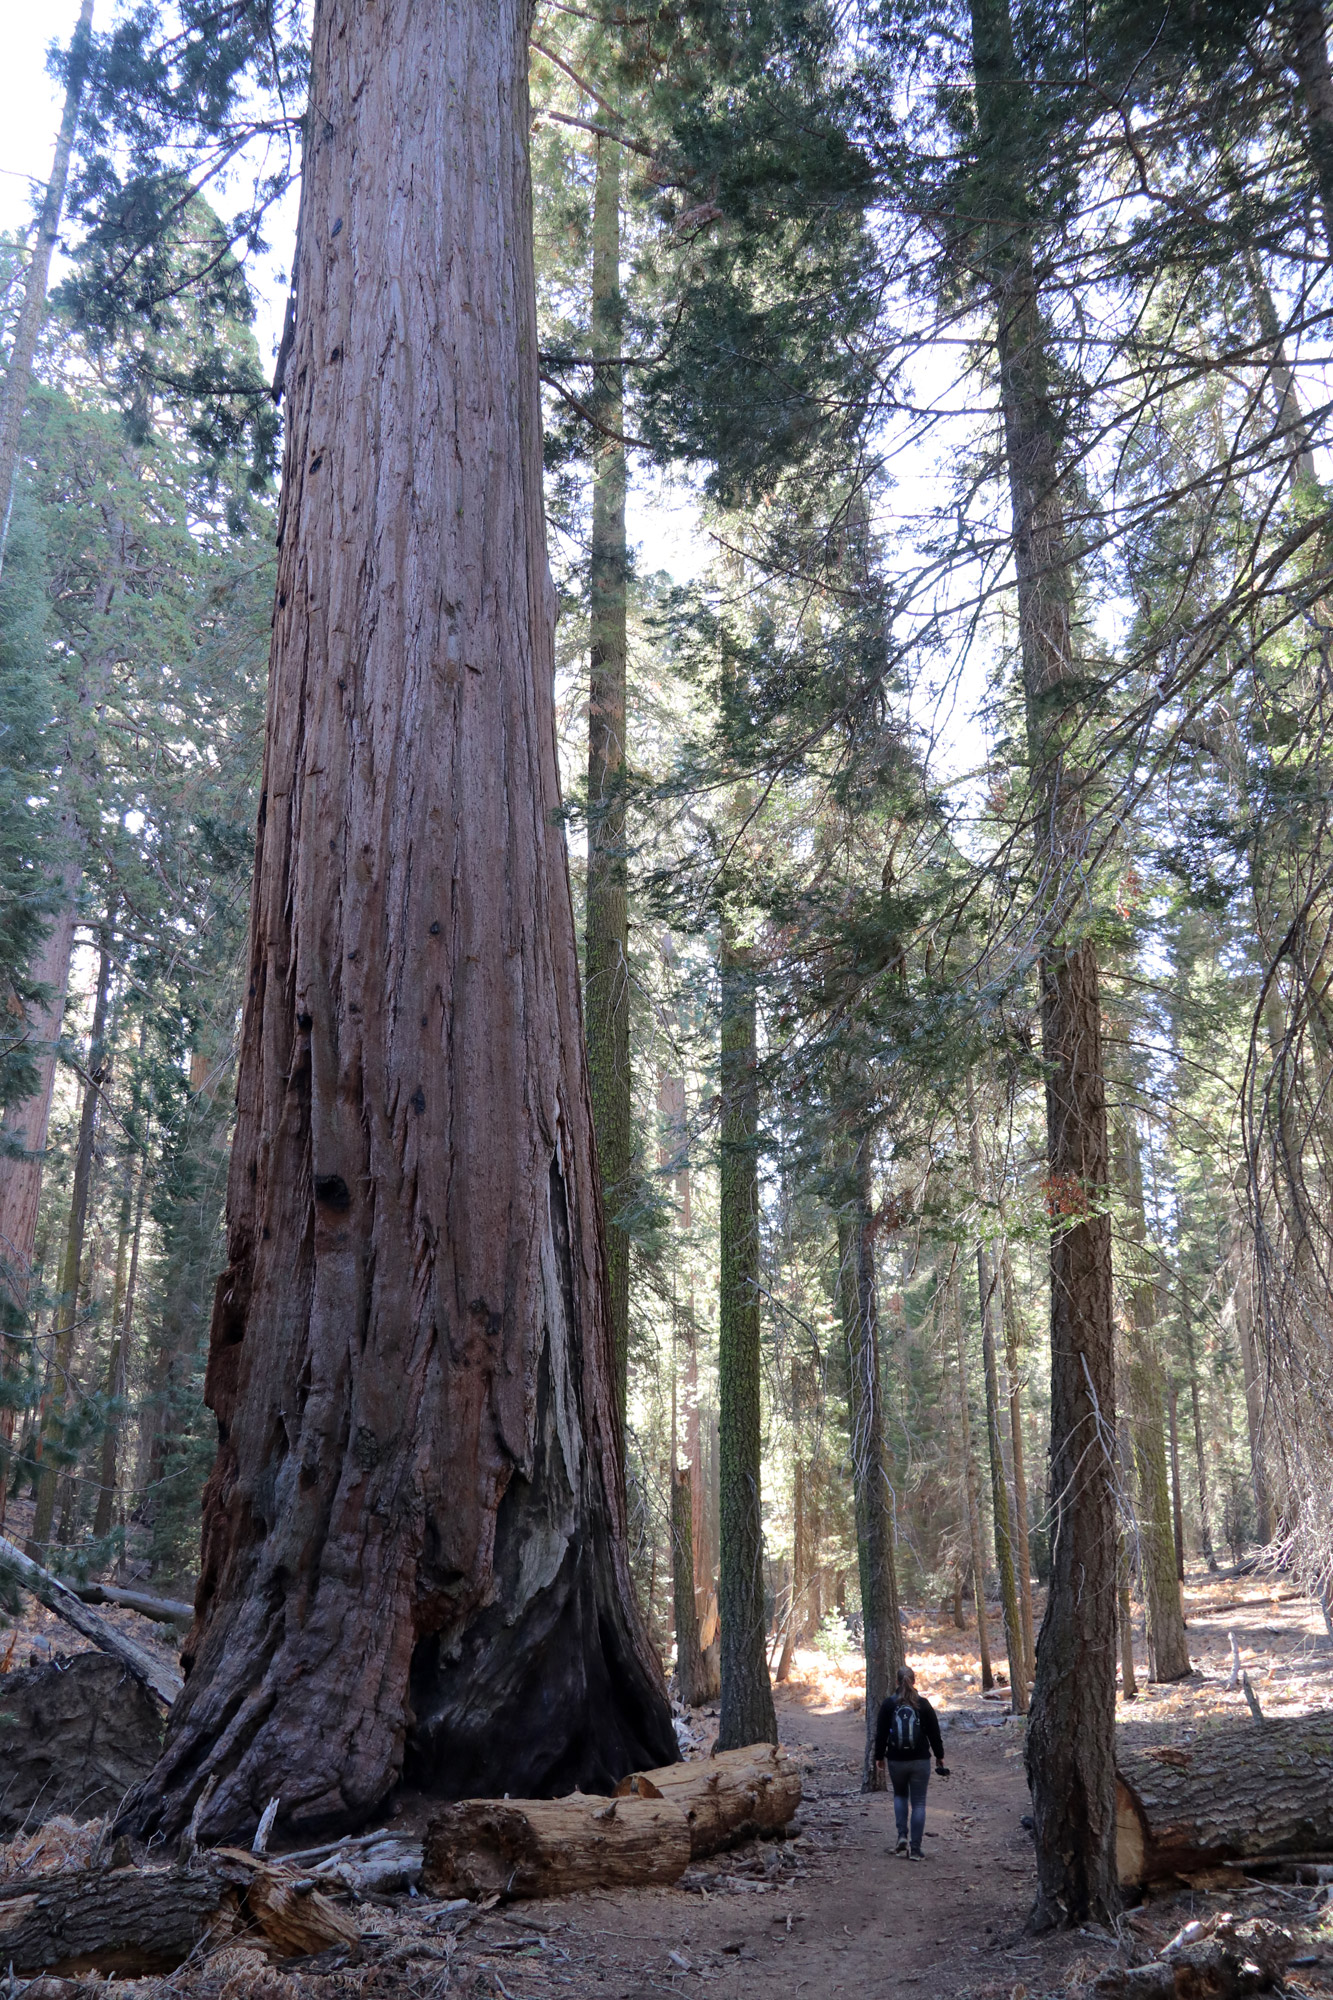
906 1738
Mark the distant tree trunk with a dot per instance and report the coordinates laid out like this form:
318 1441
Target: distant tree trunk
885 1651
32 312
1254 1412
67 1310
1022 1541
118 1364
1070 1746
414 1535
1168 1642
1177 1510
971 1485
747 1698
607 934
988 1296
690 1674
1200 1466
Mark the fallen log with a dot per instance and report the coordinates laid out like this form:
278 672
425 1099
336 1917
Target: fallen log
166 1610
140 1921
161 1680
75 1735
552 1847
1244 1789
726 1798
1221 1959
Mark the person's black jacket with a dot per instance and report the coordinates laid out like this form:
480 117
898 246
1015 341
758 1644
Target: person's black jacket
930 1727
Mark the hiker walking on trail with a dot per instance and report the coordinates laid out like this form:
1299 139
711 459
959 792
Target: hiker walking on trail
906 1733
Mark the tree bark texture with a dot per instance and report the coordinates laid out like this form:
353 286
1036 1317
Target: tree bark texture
74 1736
1241 1789
1070 1738
553 1847
1196 1418
747 1697
726 1798
414 1551
1177 1504
1168 1643
118 1363
607 985
988 1295
885 1651
32 313
71 1268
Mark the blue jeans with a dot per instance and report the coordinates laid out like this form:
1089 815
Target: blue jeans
909 1781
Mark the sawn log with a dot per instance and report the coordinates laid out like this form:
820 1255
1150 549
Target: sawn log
551 1847
1243 1789
138 1921
727 1798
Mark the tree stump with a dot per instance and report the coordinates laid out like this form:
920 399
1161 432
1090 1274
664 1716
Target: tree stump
1243 1789
551 1847
727 1798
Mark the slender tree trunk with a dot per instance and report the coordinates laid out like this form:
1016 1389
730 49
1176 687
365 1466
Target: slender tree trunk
1168 1641
1177 1509
1254 1413
885 1651
689 1661
414 1537
67 1311
1200 1465
971 1485
988 1296
607 942
747 1697
1022 1537
32 313
1129 1686
118 1366
1070 1746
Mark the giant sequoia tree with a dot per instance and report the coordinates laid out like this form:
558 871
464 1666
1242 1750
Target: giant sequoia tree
414 1553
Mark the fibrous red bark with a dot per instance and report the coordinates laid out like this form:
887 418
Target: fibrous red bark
414 1553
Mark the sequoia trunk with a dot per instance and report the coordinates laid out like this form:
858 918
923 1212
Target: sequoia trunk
1070 1739
414 1552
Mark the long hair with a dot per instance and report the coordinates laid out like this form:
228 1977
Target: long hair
905 1688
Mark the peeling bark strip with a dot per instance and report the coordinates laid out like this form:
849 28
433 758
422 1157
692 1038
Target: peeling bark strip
414 1551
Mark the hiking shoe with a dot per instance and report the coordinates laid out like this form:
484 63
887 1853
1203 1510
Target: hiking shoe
916 1855
901 1848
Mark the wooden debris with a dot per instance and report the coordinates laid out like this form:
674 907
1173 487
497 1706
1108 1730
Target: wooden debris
1221 1959
727 1798
294 1917
165 1610
161 1680
124 1920
1245 1789
386 1868
75 1735
551 1847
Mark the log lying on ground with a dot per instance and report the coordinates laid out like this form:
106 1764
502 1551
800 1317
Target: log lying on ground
727 1798
551 1847
161 1680
1220 1960
138 1921
75 1735
1244 1789
165 1610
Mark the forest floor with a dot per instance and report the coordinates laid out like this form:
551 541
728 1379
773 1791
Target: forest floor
831 1910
